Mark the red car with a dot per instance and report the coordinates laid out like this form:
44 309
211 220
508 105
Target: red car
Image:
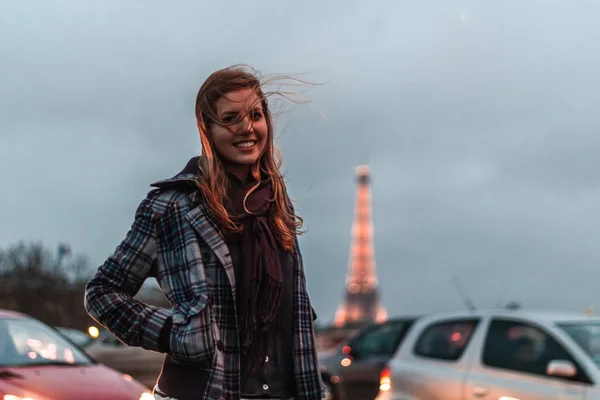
38 363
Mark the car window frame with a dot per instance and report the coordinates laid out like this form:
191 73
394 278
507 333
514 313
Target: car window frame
475 320
399 336
69 339
582 376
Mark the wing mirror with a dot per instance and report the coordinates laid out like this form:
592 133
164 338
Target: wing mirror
561 368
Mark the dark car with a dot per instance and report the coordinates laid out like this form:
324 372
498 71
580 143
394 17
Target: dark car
141 364
359 367
76 336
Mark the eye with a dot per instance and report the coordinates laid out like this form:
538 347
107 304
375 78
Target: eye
229 118
257 115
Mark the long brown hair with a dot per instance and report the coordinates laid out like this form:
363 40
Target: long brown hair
212 182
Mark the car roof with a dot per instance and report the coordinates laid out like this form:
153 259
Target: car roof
408 318
542 316
62 328
403 318
11 314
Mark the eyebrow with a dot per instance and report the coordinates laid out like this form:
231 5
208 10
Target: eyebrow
258 107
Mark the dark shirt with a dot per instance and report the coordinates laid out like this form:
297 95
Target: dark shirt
275 377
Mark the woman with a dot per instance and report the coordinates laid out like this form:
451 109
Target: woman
221 239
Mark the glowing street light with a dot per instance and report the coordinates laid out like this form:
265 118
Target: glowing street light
93 332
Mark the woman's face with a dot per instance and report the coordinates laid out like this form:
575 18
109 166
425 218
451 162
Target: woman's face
240 145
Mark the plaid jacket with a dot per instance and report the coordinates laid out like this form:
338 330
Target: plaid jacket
175 239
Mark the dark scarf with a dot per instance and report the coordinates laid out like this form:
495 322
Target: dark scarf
259 292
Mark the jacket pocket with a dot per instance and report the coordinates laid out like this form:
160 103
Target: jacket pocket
192 336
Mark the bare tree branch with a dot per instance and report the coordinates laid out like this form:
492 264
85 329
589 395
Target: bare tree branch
37 283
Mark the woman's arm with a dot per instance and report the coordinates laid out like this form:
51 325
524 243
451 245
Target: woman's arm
109 295
309 384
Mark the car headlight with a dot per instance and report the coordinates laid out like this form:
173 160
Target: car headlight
147 396
13 397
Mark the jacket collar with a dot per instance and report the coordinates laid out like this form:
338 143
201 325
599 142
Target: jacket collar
188 174
200 219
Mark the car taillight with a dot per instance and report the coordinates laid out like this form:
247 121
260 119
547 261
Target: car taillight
385 382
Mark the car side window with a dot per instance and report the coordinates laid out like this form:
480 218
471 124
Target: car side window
522 347
379 340
446 340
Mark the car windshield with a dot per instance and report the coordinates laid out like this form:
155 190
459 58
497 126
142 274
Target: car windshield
28 342
587 336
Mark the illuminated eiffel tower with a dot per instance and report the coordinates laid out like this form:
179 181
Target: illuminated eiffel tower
361 303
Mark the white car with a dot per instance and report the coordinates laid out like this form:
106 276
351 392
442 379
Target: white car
499 355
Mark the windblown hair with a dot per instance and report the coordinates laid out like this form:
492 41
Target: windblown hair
212 182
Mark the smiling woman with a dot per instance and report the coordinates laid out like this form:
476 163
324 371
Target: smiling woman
221 238
242 133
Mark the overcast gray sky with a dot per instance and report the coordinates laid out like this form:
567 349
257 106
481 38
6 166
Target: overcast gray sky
478 118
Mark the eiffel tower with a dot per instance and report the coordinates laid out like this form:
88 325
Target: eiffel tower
361 304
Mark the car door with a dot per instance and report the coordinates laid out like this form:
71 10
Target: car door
433 363
368 356
513 365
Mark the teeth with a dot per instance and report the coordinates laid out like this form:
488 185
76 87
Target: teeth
245 144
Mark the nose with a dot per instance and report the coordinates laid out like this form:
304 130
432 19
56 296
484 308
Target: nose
245 126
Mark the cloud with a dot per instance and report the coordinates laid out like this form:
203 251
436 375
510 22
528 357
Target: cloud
477 120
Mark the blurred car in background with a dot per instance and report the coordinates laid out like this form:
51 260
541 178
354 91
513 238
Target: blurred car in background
498 354
78 337
37 363
354 370
143 365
